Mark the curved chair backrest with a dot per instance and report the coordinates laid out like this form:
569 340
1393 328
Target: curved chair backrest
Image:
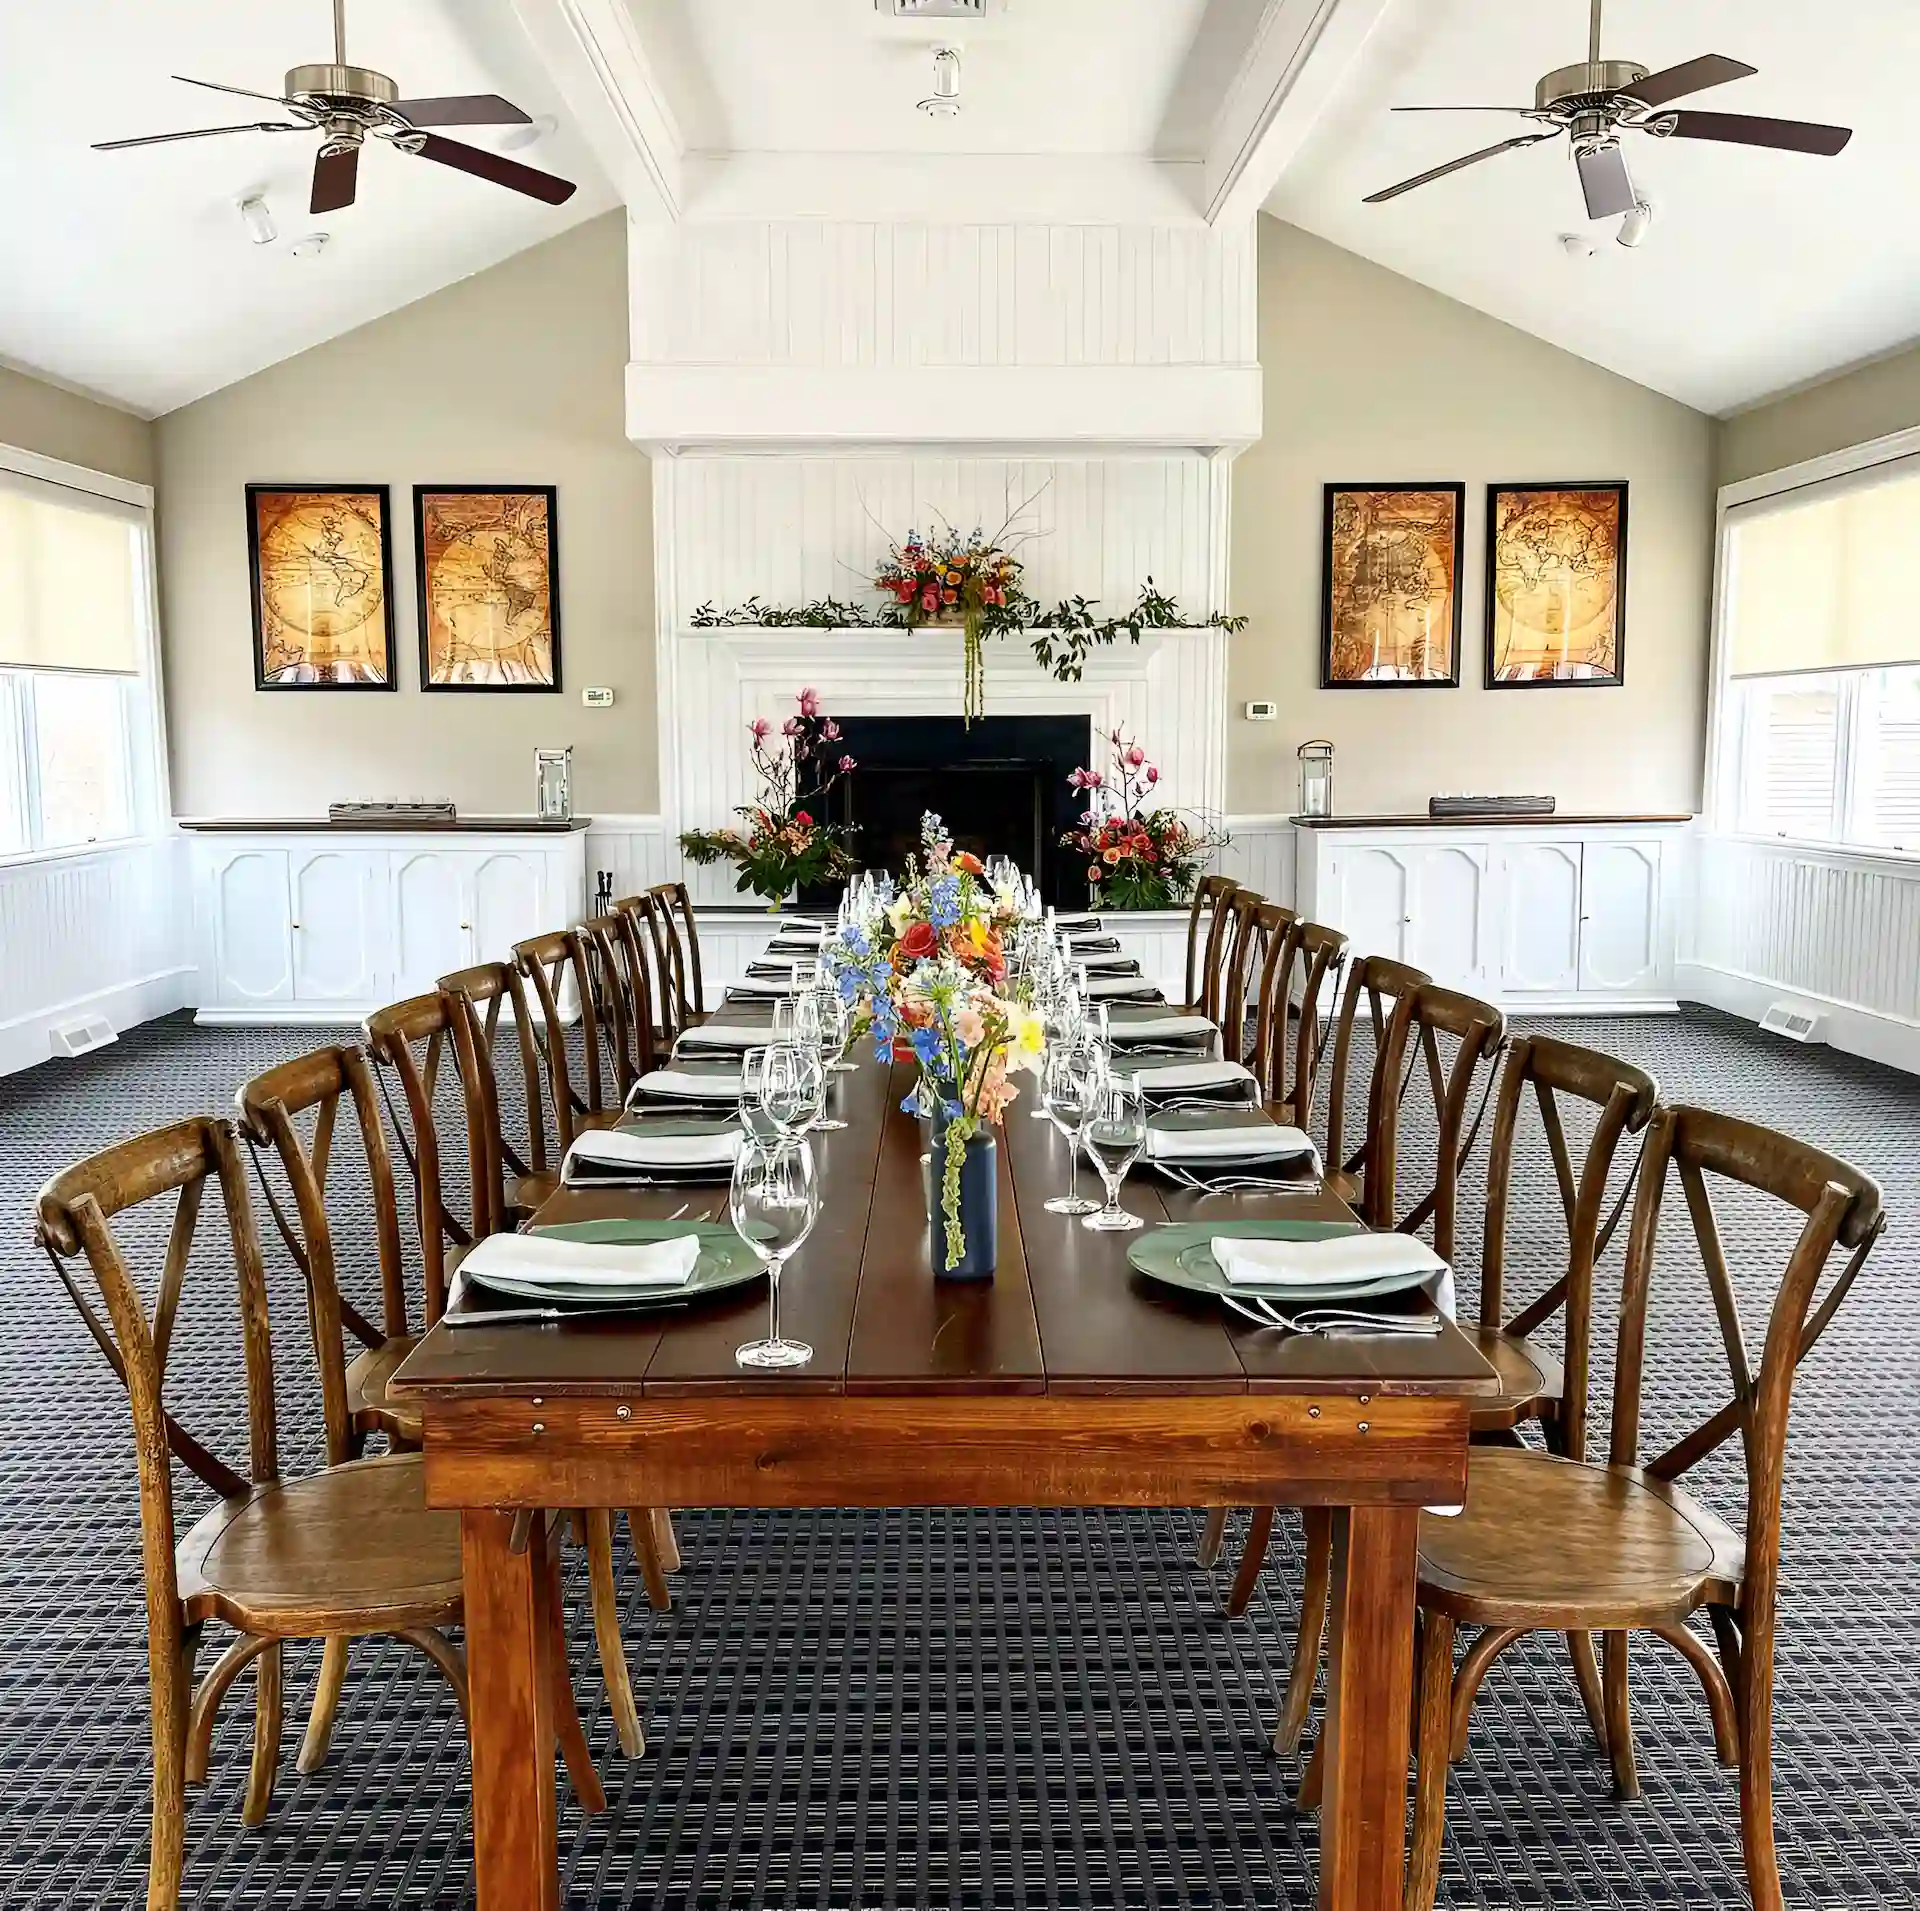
548 964
475 998
1289 1070
679 904
1209 894
1223 951
1257 928
1379 983
616 944
668 1001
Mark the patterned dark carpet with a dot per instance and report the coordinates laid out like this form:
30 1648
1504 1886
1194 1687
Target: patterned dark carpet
906 1709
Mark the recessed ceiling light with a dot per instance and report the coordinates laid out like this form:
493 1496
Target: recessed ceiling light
311 246
530 134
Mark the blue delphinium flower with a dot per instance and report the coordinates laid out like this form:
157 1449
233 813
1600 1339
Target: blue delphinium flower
943 902
927 1047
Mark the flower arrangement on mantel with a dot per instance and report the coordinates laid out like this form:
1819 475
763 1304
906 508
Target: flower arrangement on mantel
1137 857
987 600
926 975
784 845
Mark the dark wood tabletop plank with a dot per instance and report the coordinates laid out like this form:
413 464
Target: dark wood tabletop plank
915 1334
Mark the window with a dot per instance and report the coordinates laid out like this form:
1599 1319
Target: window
78 762
1820 725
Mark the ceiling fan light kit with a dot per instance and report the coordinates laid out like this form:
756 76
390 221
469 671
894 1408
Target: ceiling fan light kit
1595 101
348 104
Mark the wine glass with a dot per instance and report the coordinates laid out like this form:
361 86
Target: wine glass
1073 1074
818 1023
1113 1133
792 1087
774 1204
753 1107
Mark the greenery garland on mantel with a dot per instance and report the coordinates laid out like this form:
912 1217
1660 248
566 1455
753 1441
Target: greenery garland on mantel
1061 638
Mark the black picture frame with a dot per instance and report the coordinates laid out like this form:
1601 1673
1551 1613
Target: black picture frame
1457 490
1614 486
422 609
257 604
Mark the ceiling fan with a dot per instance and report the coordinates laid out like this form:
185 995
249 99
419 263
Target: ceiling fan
1597 100
345 104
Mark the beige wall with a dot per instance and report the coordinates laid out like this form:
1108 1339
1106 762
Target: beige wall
1372 377
40 417
516 376
1867 402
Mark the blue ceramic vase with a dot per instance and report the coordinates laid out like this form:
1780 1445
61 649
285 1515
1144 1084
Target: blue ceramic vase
979 1206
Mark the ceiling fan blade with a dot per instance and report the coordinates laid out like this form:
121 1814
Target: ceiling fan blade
1744 129
245 92
202 132
1460 109
336 177
1453 166
462 109
1690 76
1604 180
494 166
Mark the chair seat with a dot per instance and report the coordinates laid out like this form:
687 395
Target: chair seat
368 1406
526 1192
1343 1186
1532 1382
1570 1544
352 1549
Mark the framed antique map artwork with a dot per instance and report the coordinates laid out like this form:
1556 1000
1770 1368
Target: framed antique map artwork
489 595
321 559
1556 585
1390 586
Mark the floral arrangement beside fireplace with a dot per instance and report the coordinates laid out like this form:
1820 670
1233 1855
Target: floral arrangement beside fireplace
1137 856
785 842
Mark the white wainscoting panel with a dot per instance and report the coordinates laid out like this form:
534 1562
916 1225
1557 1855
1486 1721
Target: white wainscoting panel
99 932
1260 856
1835 928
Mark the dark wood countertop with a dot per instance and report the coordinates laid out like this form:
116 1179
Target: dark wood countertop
1560 820
393 826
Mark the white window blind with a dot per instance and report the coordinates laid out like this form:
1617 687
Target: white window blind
1821 578
69 579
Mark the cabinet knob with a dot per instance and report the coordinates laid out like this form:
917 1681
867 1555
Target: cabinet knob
296 923
466 925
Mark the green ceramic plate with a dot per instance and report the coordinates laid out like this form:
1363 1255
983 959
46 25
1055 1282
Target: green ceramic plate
725 1261
1176 1252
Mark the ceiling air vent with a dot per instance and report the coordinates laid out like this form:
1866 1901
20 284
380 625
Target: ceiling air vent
1796 1024
934 9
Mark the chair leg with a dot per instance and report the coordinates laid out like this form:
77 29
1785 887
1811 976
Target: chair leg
1756 1768
444 1654
1313 1779
1713 1682
606 1632
1492 1641
326 1702
1613 1666
568 1731
1212 1537
1586 1673
1315 1589
646 1549
170 1685
205 1708
660 1518
267 1719
1252 1558
1433 1748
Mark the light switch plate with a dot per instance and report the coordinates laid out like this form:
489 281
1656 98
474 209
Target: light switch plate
1262 712
600 699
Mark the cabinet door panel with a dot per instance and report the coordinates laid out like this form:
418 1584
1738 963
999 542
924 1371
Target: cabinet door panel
507 888
1621 930
1373 897
432 931
1447 937
252 928
1543 918
335 936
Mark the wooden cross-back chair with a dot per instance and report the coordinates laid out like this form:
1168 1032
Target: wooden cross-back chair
1286 1055
616 944
669 1005
347 1552
678 903
676 948
1566 1544
1210 897
1376 984
547 964
508 1184
1254 924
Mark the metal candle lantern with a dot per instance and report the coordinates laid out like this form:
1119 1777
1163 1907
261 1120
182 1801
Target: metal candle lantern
1316 777
553 785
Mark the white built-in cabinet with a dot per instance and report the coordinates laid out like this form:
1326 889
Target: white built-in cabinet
313 926
1565 917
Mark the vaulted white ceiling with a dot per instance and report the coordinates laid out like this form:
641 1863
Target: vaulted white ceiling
130 274
1762 269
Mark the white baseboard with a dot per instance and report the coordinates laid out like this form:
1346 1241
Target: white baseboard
25 1039
1880 1037
1589 1004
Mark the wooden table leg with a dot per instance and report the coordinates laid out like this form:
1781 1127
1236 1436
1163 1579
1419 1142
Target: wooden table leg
1363 1814
508 1617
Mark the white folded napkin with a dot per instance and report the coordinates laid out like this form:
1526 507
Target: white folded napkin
546 1257
1160 1078
764 985
1159 1028
1098 985
674 1083
1249 1141
1077 925
1337 1259
725 1035
792 926
636 1148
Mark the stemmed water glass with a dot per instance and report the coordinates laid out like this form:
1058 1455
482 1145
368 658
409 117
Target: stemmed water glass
774 1204
792 1087
1114 1132
817 1022
1068 1086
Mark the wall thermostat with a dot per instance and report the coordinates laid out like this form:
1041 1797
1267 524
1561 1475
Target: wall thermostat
1262 712
601 699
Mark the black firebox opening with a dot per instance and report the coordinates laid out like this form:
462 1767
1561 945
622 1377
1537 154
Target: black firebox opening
1000 784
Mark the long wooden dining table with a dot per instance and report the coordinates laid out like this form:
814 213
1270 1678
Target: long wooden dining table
1069 1379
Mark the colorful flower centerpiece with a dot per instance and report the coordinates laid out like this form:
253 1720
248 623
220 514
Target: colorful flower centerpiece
1137 857
926 973
969 580
784 845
